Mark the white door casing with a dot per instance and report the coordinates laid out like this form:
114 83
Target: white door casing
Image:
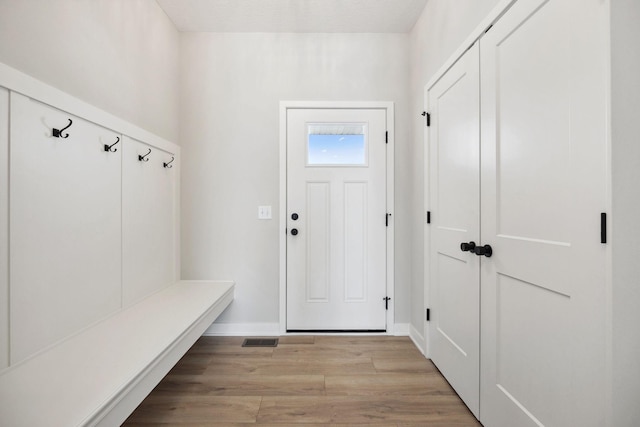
336 275
454 133
543 174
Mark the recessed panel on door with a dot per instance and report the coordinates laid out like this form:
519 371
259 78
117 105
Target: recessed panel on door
317 238
517 303
355 241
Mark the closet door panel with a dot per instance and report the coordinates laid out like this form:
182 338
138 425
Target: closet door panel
454 143
543 178
65 246
4 228
148 220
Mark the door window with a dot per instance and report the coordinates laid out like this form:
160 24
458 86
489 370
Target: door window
336 144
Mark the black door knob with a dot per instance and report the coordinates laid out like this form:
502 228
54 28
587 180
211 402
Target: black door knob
294 231
294 216
485 250
466 247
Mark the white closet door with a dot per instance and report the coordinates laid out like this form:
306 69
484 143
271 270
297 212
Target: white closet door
4 228
65 265
454 136
543 175
147 220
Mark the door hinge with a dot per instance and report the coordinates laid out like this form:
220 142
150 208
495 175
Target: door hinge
428 118
428 217
386 137
428 314
386 302
603 227
488 28
386 219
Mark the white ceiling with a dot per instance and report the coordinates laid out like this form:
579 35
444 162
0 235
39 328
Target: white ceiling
294 16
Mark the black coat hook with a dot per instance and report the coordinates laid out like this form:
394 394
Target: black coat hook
57 133
108 148
144 158
168 165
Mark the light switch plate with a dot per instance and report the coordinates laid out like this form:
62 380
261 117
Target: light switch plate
264 212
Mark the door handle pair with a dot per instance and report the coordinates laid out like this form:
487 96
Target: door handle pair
485 250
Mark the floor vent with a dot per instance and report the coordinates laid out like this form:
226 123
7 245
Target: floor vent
260 342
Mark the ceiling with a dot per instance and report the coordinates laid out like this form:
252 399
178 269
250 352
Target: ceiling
294 16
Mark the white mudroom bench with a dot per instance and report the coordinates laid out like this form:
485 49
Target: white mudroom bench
99 376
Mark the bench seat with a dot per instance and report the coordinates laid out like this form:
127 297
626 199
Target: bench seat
100 375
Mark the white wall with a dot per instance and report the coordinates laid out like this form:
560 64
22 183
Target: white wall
440 30
625 34
118 55
231 86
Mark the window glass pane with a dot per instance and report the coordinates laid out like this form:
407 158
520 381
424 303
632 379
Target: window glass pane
336 144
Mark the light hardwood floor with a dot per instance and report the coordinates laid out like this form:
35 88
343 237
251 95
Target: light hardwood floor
306 380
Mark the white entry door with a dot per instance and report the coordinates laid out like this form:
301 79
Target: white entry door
336 219
454 136
543 174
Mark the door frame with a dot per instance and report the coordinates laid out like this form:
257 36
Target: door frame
388 107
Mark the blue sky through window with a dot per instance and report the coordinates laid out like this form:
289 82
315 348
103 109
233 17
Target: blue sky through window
336 150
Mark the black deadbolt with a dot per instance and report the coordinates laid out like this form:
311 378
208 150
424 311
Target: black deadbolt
294 216
294 231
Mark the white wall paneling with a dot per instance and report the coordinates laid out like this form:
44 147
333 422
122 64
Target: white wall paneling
148 219
18 82
65 225
70 203
4 228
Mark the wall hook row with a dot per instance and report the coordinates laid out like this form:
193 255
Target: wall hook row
57 133
168 165
144 158
109 148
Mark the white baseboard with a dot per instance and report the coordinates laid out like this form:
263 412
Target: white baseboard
400 329
243 329
418 339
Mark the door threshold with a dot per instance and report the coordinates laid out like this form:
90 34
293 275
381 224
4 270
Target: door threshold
337 331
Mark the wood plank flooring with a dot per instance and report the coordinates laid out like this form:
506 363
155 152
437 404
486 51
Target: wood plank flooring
307 380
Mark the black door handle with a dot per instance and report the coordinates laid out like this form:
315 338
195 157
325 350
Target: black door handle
485 250
466 247
294 231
